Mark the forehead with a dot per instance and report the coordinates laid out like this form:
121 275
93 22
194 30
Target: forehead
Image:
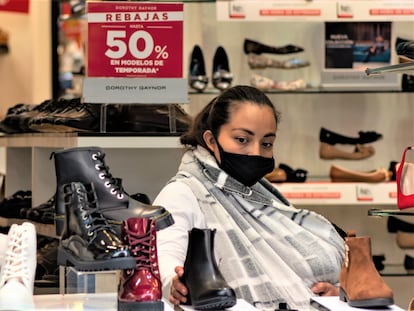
255 117
248 108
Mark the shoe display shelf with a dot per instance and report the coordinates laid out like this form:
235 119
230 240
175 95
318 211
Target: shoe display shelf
42 229
395 272
360 207
85 301
349 193
313 11
145 164
106 301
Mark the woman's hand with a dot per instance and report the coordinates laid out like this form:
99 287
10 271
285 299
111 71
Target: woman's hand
325 289
178 290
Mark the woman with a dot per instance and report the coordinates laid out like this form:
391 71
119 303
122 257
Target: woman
289 254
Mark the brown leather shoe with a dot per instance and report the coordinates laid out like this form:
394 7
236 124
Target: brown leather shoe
405 240
329 152
340 174
411 305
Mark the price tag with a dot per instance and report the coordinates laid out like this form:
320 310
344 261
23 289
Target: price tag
135 39
364 193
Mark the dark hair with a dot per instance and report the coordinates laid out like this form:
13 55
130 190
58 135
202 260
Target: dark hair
213 116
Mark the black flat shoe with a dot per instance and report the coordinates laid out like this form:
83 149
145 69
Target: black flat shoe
392 169
332 138
251 46
379 262
407 82
298 175
222 77
409 264
198 79
395 224
406 49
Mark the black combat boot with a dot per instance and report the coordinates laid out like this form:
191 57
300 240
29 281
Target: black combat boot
87 165
88 242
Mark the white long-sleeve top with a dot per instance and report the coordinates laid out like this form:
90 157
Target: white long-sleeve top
172 241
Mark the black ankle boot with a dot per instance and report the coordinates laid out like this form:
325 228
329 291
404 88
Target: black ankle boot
87 165
208 290
88 242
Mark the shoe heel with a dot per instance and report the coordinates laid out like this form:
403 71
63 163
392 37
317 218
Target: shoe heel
342 295
63 258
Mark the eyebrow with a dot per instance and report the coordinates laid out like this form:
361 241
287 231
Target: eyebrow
252 133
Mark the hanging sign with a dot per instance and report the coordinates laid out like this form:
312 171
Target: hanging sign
135 39
135 53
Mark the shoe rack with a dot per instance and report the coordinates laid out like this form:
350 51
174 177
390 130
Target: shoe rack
304 112
144 163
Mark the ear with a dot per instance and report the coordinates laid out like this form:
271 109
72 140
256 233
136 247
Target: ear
209 140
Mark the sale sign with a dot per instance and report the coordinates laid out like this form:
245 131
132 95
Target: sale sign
135 39
21 6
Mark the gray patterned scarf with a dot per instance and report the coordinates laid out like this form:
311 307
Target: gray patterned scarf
268 251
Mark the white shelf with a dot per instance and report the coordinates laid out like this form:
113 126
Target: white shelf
42 229
314 11
145 163
327 193
57 140
98 301
106 301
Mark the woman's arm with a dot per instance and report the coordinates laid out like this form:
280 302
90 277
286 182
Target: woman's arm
172 241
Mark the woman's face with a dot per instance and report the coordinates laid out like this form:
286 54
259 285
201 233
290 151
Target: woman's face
251 130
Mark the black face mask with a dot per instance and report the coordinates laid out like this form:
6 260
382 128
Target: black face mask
247 169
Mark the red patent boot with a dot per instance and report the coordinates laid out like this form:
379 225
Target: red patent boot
140 288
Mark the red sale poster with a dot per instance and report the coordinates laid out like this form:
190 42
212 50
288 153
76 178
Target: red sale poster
21 6
135 39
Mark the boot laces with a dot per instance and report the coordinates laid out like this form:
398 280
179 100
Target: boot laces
142 250
15 263
111 181
93 219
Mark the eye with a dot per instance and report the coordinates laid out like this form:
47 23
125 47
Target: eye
242 140
268 142
267 145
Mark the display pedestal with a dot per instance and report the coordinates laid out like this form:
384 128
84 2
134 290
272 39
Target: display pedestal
333 303
74 282
85 302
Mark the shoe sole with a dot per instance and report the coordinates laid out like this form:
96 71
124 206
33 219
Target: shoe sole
68 259
162 221
215 303
157 305
365 303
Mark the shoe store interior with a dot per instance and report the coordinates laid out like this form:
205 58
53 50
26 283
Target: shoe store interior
95 99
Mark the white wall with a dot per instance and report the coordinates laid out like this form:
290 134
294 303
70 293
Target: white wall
25 72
